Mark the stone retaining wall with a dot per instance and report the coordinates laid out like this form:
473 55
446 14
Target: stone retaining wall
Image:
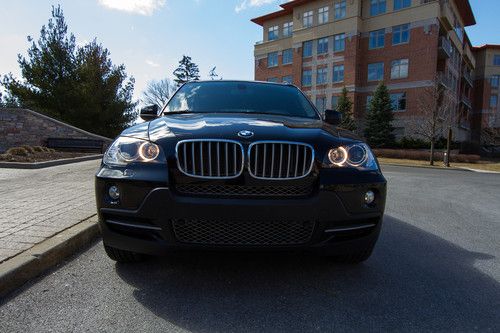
26 127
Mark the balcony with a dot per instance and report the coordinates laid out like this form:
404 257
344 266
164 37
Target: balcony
444 47
468 78
466 101
444 80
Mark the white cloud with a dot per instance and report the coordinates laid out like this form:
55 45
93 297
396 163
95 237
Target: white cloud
142 7
152 63
244 4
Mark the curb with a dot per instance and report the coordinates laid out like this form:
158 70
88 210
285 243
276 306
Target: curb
41 165
31 263
479 171
426 167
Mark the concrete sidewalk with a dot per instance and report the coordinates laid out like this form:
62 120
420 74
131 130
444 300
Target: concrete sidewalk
37 204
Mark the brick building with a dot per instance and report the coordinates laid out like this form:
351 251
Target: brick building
486 89
325 45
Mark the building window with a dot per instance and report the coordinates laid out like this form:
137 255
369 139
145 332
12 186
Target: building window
400 4
321 104
377 7
335 102
338 73
377 39
399 69
287 29
495 81
273 33
339 43
272 59
493 101
340 9
307 78
307 49
398 102
400 34
321 75
287 56
273 80
322 45
287 79
376 71
307 19
496 60
323 15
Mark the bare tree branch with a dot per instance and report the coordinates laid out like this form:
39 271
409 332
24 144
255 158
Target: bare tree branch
435 113
158 92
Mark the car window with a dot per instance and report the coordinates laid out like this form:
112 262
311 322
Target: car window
241 97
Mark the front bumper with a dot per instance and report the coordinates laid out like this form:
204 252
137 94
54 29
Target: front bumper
143 221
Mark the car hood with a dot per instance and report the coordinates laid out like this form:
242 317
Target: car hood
216 126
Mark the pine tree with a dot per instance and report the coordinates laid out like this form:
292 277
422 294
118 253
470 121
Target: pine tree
379 129
187 71
78 85
345 108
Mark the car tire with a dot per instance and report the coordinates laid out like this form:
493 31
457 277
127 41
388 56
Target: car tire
122 255
355 257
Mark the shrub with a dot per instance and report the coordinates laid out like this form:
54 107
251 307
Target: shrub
17 151
38 149
29 149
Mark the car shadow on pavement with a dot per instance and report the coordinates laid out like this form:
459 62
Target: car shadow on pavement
414 281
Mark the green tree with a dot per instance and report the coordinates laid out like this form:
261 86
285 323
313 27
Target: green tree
344 106
187 71
379 129
78 85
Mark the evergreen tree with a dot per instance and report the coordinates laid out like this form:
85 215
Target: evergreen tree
345 108
379 129
78 85
187 71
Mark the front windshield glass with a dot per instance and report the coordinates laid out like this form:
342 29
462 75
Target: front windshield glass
241 97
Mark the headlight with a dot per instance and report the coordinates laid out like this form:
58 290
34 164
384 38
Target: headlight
128 150
357 156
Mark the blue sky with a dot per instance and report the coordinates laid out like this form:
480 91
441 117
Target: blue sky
150 36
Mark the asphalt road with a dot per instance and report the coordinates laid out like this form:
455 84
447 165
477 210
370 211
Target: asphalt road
436 268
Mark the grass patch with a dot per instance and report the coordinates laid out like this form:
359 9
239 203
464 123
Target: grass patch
480 165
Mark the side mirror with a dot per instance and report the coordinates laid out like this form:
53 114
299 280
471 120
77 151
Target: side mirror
333 117
149 112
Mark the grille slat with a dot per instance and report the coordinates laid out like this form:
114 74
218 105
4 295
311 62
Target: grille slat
244 232
286 166
228 155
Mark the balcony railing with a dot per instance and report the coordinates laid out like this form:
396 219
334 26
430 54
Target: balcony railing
444 79
466 101
444 47
468 78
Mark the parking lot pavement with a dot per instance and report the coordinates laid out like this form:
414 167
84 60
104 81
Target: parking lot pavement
436 268
36 204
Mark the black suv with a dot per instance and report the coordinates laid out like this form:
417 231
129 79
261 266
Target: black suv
239 165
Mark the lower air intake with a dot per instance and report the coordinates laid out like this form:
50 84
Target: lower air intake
242 232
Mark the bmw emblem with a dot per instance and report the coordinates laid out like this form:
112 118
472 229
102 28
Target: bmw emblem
245 134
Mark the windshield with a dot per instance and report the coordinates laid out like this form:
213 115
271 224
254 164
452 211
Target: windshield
241 97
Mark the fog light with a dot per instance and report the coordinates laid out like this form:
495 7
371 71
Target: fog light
369 197
114 192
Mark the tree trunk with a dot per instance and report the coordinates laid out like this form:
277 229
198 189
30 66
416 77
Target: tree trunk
448 146
432 151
